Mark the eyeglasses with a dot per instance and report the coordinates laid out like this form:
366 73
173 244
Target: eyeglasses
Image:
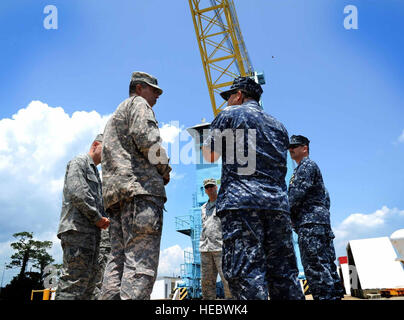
209 186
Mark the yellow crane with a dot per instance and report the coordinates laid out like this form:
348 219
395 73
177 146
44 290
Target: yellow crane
221 45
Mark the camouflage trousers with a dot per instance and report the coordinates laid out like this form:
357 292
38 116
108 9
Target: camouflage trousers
135 232
78 275
258 255
211 265
105 249
318 256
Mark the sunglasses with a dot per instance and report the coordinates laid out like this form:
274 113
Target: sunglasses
209 186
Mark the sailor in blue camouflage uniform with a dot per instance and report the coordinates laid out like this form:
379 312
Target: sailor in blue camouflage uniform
309 205
258 255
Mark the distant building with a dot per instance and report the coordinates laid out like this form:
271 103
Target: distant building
164 288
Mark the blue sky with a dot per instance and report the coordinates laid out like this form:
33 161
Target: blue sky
341 88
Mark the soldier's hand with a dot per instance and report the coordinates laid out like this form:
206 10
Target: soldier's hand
166 178
103 223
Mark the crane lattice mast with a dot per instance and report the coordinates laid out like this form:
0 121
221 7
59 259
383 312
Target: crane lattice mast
221 45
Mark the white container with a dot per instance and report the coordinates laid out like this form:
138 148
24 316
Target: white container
397 239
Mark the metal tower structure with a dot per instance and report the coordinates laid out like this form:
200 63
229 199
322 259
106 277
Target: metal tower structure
191 224
224 57
223 51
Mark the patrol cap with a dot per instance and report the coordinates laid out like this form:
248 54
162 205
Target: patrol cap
139 76
246 84
99 137
209 181
298 141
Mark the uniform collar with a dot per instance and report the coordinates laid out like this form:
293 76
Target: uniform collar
211 204
303 160
143 100
90 160
251 104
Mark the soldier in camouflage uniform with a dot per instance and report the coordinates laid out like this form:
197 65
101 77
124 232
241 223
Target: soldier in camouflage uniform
135 171
258 255
309 204
81 220
210 245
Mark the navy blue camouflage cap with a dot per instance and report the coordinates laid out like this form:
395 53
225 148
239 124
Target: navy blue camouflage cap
245 84
299 141
139 76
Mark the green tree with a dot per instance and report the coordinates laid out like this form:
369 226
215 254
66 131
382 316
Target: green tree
42 259
29 250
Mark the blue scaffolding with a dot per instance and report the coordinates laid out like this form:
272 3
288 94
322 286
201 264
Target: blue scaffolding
191 268
191 224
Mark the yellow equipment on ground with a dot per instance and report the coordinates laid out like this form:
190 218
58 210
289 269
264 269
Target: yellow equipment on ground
46 294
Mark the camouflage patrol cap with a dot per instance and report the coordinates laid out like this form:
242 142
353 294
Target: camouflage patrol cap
246 84
299 141
139 76
99 137
209 181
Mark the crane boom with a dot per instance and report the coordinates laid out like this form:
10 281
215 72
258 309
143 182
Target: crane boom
221 45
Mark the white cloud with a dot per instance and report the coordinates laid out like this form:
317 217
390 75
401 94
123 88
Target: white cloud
37 138
381 223
367 220
5 248
35 145
170 261
170 132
